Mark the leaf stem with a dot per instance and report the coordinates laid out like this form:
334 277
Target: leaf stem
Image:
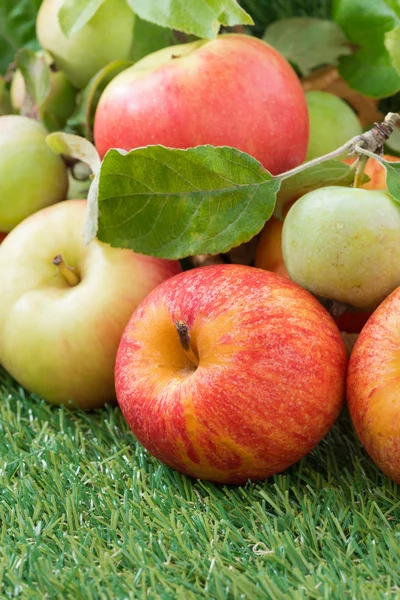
362 161
369 143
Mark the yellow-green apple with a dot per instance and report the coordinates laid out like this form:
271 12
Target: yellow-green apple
373 386
106 37
332 123
32 176
64 305
269 256
235 90
230 373
343 244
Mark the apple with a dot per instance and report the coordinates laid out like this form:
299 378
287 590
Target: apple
230 373
373 386
235 90
343 244
2 236
59 104
64 305
332 123
32 176
106 37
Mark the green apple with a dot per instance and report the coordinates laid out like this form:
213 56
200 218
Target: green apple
332 123
64 305
32 176
106 37
343 243
59 104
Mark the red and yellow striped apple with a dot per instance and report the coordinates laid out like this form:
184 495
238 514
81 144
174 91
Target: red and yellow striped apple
235 91
64 305
373 386
230 373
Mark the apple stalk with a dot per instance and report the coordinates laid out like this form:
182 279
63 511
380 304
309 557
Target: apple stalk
185 340
66 271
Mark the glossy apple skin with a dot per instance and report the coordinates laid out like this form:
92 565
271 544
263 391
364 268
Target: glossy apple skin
343 244
58 341
106 37
32 176
332 123
373 386
235 90
270 379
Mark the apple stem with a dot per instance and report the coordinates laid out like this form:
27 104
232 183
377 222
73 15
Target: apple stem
370 141
184 338
361 162
66 271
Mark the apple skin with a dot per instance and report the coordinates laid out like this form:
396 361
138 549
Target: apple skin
332 123
108 36
2 236
235 90
373 386
32 176
269 384
59 341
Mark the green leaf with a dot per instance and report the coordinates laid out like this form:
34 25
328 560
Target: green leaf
331 172
17 28
202 18
149 38
392 43
369 70
5 102
75 147
175 203
297 39
74 14
36 74
83 117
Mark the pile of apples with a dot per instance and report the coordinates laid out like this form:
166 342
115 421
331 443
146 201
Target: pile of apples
225 372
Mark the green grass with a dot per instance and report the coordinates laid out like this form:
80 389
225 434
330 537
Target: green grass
86 513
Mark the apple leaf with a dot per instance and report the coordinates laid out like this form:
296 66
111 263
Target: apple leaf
202 18
83 117
331 172
75 147
175 203
298 37
17 28
369 69
36 74
392 177
74 14
5 102
392 43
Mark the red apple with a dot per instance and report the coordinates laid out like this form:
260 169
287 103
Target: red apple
373 386
235 91
230 373
64 305
2 236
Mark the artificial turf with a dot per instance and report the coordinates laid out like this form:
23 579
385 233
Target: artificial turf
85 512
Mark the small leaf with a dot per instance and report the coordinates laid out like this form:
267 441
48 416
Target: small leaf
76 147
36 74
174 203
74 14
297 39
369 69
83 117
392 43
331 172
202 18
